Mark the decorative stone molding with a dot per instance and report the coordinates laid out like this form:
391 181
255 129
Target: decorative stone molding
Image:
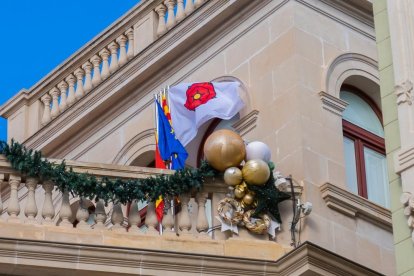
404 159
353 205
404 92
332 103
407 199
247 123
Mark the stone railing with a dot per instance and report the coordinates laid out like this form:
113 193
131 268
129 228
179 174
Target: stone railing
107 60
32 207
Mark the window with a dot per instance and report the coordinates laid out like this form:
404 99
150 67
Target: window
364 148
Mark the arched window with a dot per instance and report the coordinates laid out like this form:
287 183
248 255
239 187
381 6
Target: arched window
364 147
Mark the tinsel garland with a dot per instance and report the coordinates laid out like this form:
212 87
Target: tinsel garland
31 164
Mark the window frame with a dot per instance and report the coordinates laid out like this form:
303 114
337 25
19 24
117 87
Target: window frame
363 138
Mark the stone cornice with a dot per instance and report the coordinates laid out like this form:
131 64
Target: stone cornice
355 206
25 257
15 103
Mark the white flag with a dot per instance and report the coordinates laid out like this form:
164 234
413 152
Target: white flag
193 104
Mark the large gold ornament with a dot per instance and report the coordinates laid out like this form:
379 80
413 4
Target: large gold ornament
256 172
233 176
224 149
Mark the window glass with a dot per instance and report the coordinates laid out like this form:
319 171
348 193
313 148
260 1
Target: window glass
361 114
377 178
350 165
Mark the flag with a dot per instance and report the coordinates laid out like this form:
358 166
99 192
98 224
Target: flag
168 145
193 104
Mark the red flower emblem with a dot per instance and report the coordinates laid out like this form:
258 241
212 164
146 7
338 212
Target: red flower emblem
198 94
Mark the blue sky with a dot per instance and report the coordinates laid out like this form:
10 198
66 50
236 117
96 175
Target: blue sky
36 36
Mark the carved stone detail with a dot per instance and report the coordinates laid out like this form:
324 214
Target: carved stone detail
407 199
404 92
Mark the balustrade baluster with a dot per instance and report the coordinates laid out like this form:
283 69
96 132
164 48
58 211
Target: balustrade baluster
168 219
171 17
79 73
104 54
65 211
96 61
46 118
198 3
87 67
130 35
117 218
14 207
48 211
122 40
71 94
180 10
82 215
162 28
202 222
54 92
31 208
151 220
113 47
100 215
189 7
63 86
134 218
184 219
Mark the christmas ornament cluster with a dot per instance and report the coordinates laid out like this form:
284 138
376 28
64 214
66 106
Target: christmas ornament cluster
247 171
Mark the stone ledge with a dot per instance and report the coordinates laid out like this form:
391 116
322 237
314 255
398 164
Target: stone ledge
23 257
355 206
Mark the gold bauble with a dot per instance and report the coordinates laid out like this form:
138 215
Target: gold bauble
248 199
224 149
233 176
239 192
256 172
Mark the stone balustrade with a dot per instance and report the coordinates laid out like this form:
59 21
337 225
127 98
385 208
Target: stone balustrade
90 74
106 61
34 210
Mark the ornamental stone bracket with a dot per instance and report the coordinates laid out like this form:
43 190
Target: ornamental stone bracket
332 103
247 123
353 205
408 200
404 92
404 159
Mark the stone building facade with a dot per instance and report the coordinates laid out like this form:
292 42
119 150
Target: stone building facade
295 59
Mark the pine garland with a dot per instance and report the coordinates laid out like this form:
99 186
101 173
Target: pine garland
31 164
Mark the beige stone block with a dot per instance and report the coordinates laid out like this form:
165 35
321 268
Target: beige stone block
292 164
214 68
311 105
367 253
243 74
265 250
308 46
246 46
342 239
285 77
272 55
319 230
387 82
395 194
388 262
316 167
389 108
17 125
262 91
376 235
281 21
22 231
289 139
330 53
336 174
392 134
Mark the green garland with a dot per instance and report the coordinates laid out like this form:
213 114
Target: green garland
31 164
